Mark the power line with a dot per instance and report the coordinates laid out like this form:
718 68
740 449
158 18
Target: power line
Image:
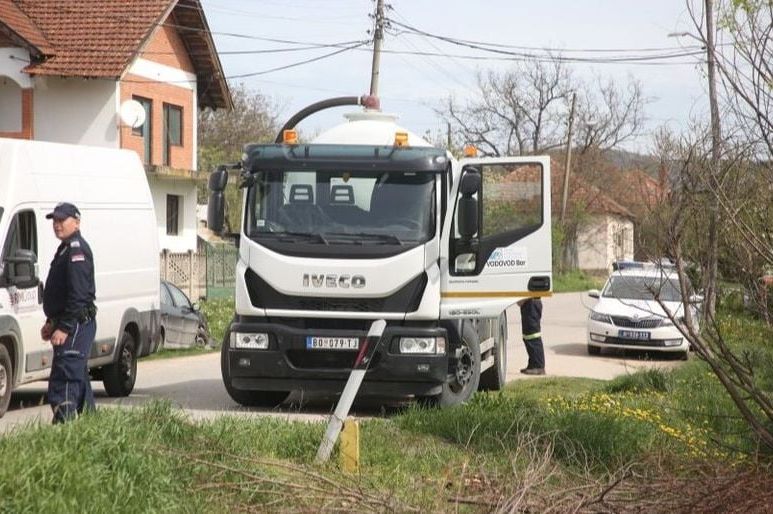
547 56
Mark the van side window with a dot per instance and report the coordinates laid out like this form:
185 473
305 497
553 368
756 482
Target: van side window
22 235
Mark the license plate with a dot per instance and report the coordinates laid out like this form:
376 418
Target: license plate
633 334
332 343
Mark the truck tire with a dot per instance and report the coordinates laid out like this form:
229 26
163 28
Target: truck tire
6 379
119 377
463 373
494 378
245 397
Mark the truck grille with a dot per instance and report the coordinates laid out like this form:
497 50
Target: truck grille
622 321
322 359
264 296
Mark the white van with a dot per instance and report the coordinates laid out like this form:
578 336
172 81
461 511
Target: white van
110 189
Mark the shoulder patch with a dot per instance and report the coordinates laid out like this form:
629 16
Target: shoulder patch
78 257
75 244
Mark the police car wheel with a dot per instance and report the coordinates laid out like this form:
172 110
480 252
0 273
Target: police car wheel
6 379
494 378
120 376
463 373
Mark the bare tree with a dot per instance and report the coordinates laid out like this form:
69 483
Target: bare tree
222 135
525 110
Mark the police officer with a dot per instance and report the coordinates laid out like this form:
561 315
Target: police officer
68 302
531 316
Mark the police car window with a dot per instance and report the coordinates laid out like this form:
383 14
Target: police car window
23 234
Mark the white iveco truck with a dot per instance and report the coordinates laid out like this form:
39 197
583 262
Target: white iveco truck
371 222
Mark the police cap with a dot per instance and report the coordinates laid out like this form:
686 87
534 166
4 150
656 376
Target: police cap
64 210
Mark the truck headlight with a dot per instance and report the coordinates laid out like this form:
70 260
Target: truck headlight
423 345
246 341
603 318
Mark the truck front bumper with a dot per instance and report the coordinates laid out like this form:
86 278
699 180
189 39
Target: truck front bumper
287 364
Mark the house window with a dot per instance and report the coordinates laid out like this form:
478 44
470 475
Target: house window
145 131
173 203
173 130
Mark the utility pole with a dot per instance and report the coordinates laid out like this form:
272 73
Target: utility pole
716 141
378 37
568 162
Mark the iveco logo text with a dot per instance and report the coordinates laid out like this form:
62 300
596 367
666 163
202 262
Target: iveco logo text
342 281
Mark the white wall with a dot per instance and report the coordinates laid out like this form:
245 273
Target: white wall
10 105
12 80
12 62
77 111
186 238
593 244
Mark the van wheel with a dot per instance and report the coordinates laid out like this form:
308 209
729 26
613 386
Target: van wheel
6 379
463 373
161 339
244 397
494 378
120 376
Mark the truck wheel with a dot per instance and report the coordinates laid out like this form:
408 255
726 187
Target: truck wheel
245 397
6 379
120 376
463 373
494 378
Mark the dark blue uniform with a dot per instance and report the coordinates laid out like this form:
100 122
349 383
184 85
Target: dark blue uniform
531 317
68 301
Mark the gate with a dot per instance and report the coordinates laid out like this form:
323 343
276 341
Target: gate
221 270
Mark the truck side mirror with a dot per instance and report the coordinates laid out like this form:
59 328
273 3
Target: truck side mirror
218 179
21 269
468 205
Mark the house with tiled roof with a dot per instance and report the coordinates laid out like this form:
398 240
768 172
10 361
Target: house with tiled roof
120 74
605 229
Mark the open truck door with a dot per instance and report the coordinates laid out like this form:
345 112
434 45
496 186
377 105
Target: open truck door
496 246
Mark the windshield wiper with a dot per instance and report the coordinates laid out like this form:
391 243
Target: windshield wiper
295 236
388 238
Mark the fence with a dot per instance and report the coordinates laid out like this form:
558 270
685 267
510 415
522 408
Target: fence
207 272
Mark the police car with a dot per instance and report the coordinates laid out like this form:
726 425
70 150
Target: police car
629 316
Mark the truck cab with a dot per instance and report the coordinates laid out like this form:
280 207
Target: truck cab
370 222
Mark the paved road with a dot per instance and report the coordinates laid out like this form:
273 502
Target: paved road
194 382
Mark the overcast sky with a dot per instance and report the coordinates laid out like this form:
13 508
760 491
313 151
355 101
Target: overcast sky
411 85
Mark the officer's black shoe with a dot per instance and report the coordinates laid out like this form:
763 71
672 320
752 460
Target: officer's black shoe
533 371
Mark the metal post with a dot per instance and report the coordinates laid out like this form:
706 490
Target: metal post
568 163
350 390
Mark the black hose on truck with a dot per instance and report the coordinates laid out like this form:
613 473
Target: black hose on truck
371 102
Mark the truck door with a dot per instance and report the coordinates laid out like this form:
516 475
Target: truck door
22 290
496 246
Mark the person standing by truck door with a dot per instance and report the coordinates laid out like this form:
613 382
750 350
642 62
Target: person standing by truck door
531 317
68 302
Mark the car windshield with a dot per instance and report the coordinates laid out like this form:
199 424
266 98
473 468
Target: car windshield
342 207
633 287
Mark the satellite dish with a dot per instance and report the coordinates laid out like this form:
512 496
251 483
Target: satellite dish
132 113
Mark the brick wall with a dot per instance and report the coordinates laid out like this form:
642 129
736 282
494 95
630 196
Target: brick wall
166 48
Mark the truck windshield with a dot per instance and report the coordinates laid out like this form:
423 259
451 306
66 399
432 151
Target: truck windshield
342 207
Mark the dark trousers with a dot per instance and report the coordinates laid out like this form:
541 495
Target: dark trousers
536 352
69 388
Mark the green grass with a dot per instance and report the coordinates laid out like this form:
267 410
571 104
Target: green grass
573 281
219 313
565 430
167 353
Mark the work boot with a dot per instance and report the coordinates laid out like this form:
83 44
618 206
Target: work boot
533 371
